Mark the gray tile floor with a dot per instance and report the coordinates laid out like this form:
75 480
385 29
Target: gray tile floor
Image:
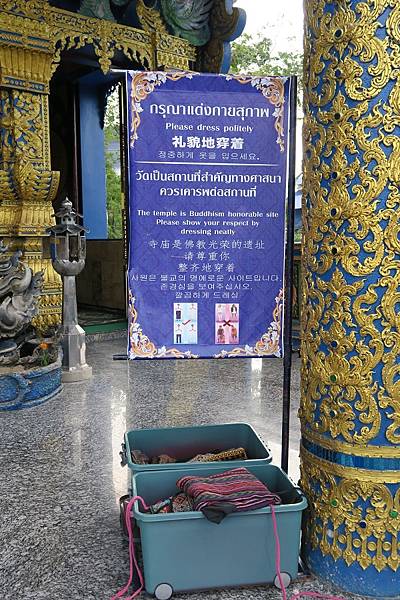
61 477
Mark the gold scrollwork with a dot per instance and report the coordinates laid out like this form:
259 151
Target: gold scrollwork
74 31
28 186
24 128
48 318
27 8
173 52
351 224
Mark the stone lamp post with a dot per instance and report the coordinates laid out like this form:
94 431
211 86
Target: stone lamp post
68 249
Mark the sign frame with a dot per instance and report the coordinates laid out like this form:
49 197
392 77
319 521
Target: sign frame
288 257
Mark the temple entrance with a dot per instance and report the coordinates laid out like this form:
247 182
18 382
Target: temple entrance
86 149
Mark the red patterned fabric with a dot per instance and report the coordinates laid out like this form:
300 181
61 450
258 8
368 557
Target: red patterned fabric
237 487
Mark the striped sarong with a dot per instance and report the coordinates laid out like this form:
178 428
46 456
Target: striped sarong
236 487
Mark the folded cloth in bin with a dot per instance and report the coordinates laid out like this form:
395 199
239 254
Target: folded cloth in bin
177 503
232 454
234 490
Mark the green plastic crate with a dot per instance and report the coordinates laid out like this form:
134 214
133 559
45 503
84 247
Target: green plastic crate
185 442
186 552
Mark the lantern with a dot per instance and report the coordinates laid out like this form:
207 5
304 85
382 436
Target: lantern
67 242
68 253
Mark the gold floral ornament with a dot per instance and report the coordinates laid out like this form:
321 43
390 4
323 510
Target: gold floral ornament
273 90
143 84
22 136
141 346
351 178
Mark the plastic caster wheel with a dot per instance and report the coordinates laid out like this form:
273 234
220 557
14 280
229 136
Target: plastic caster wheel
286 580
163 591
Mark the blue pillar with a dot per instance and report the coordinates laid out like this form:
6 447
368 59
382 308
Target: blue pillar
350 406
94 198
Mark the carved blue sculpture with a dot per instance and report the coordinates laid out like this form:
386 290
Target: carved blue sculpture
100 9
19 289
29 374
188 19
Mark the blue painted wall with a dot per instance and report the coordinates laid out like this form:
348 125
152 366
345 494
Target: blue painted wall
94 199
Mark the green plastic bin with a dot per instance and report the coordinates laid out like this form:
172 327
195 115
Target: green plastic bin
186 552
185 442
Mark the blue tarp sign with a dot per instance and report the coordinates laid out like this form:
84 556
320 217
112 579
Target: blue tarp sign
208 178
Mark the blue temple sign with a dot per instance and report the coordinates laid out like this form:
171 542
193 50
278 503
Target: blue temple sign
208 183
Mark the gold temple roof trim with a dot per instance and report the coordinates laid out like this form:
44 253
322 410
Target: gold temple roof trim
33 27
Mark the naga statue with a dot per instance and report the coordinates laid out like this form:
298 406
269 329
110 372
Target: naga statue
100 9
19 290
188 19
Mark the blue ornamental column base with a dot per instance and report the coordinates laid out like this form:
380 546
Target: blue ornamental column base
353 520
25 389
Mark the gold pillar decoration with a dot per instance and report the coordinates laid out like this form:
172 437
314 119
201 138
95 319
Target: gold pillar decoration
350 404
27 184
177 55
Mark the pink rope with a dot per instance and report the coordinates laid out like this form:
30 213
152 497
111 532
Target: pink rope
133 565
278 569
